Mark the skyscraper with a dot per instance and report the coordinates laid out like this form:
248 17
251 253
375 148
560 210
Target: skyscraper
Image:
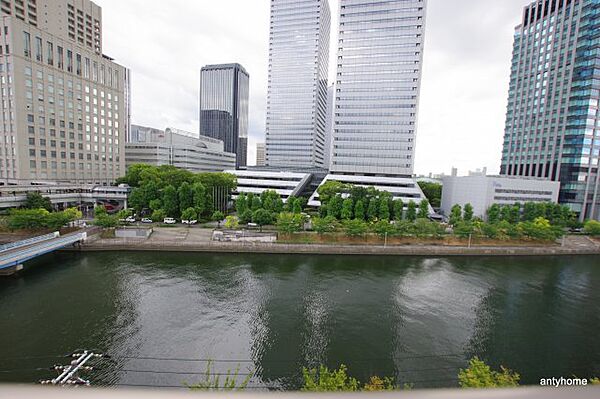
224 92
297 92
65 115
380 57
552 123
260 154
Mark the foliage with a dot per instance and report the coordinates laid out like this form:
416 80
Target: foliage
189 214
150 189
289 222
398 209
355 227
218 217
359 210
231 222
325 225
331 189
373 209
595 381
170 203
325 380
464 229
411 211
592 227
159 215
480 375
433 192
384 207
37 201
334 207
423 209
384 228
212 381
246 216
347 209
39 219
455 215
541 229
493 214
426 228
262 217
468 213
379 384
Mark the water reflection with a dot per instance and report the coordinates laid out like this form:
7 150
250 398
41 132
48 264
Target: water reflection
414 318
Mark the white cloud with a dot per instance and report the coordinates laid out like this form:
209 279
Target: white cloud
465 82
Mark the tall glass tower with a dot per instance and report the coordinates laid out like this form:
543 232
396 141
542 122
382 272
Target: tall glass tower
224 92
552 123
297 92
380 57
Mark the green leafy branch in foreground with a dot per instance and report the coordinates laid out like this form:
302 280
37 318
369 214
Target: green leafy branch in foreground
213 382
480 375
325 380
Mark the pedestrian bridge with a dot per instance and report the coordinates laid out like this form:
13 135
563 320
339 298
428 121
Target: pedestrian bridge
13 255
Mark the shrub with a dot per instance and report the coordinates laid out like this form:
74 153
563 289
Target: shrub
231 222
246 216
480 375
355 227
289 222
325 380
384 228
592 228
464 229
324 225
159 215
189 214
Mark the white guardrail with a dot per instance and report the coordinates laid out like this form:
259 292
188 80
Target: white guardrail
29 241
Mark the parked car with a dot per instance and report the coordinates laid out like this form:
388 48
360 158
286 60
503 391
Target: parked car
146 220
130 219
192 222
169 221
185 222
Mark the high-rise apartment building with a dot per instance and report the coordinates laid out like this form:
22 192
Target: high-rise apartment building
261 154
64 104
224 92
380 55
297 92
552 124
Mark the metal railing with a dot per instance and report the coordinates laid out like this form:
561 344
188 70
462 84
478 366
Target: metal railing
29 241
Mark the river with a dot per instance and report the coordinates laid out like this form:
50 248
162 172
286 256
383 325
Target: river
417 319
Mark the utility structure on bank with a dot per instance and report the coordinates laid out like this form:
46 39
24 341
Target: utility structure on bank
70 375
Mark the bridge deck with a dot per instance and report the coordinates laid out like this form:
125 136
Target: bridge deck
19 254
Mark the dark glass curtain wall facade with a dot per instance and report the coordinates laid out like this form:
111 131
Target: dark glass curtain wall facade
297 92
224 93
552 124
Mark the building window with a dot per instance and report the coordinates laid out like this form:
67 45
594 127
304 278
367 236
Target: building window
50 53
26 44
78 64
69 61
86 68
59 53
38 49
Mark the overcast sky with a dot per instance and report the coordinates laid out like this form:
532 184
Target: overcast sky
465 80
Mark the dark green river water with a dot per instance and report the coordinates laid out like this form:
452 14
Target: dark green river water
416 319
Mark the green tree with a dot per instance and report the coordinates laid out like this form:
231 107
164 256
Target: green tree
246 216
103 219
299 205
359 210
426 228
456 215
373 209
355 227
480 375
289 223
37 201
493 214
325 380
464 229
189 214
347 209
411 211
159 215
218 217
398 210
325 225
169 202
490 230
136 200
262 217
185 194
515 213
433 192
384 228
256 204
334 207
330 189
468 213
269 200
592 227
384 208
241 204
231 222
423 209
529 212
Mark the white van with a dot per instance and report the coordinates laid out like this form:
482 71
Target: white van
169 221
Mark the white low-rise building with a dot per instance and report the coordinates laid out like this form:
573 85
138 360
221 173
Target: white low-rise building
178 148
483 191
286 184
403 188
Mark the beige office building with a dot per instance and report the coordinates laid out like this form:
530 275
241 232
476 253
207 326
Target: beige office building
65 105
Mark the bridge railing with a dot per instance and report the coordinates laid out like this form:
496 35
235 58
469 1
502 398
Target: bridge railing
29 241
